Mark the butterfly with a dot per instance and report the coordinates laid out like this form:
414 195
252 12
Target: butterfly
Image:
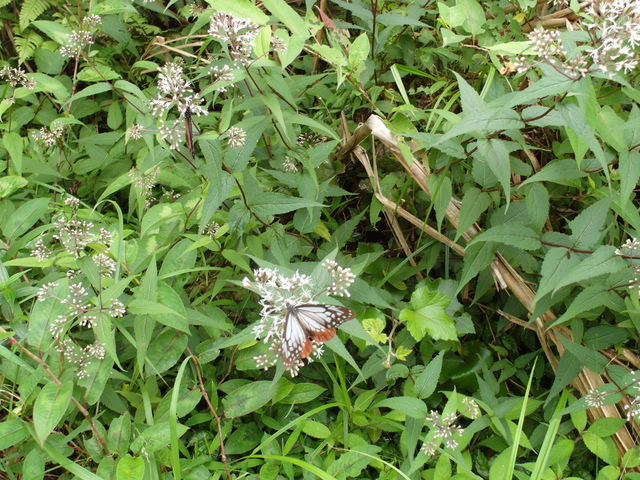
308 323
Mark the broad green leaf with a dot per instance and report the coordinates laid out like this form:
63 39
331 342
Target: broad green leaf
287 15
602 261
601 447
241 9
10 184
568 368
537 201
589 358
273 203
24 218
33 466
550 85
56 31
629 171
14 146
605 336
557 262
477 257
119 435
514 234
91 90
427 381
351 463
474 203
52 85
494 152
605 427
155 437
359 52
316 429
248 398
631 458
429 316
130 468
303 393
162 313
50 406
592 297
563 172
576 121
409 406
12 432
165 351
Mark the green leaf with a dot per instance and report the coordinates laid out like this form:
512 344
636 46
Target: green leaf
248 398
591 298
287 15
537 201
568 368
409 406
130 468
12 432
49 408
165 351
45 83
605 427
629 171
11 183
601 447
586 228
589 358
302 393
33 466
14 145
156 437
562 172
576 121
601 262
91 90
474 203
351 463
556 263
316 429
56 31
24 218
272 203
477 257
514 234
494 152
427 381
429 316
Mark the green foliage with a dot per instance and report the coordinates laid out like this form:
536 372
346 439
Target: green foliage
176 181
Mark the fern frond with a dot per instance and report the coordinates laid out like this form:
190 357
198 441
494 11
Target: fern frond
26 45
31 10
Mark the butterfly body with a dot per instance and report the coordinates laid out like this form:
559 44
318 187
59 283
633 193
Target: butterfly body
307 324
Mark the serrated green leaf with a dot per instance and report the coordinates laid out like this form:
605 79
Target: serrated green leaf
602 261
601 447
427 381
273 203
592 297
474 204
514 234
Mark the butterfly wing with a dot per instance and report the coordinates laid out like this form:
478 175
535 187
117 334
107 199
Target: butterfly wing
304 323
295 342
